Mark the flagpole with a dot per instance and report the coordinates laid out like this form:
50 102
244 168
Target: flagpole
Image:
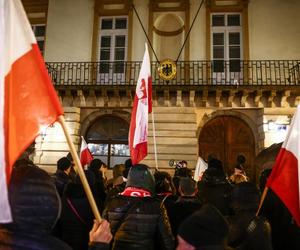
80 171
154 140
262 200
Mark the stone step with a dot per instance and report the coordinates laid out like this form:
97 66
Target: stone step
174 141
172 133
174 118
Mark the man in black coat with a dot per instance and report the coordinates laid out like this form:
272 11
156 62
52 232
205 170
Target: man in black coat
214 188
186 204
138 220
61 176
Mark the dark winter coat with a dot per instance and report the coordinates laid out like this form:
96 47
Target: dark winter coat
61 179
75 227
181 209
144 225
35 209
285 232
215 190
247 232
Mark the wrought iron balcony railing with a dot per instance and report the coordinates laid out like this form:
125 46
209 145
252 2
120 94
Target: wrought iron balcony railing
196 73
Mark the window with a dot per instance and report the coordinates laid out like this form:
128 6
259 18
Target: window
226 42
108 139
113 44
39 31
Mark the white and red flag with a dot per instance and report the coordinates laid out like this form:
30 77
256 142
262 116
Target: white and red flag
142 106
28 101
285 176
85 154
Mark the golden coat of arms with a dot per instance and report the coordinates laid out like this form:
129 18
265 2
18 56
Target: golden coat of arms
167 69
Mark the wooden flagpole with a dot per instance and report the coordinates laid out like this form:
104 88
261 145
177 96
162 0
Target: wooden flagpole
80 171
262 200
154 140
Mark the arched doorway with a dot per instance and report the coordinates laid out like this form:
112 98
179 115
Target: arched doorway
226 137
107 139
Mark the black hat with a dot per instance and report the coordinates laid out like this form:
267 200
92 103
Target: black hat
206 227
70 157
63 163
139 176
215 163
95 164
128 165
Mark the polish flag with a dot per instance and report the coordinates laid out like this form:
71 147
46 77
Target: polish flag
28 101
85 154
285 175
142 106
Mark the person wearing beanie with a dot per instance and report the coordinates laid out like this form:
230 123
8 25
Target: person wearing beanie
35 207
139 220
214 187
248 231
206 229
61 177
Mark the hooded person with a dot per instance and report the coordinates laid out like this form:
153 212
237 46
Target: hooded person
205 229
214 187
139 220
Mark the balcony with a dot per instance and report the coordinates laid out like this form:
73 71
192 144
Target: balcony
258 73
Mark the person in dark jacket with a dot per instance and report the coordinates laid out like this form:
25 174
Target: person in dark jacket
186 204
247 231
206 229
138 220
285 232
214 188
100 189
76 218
35 207
61 176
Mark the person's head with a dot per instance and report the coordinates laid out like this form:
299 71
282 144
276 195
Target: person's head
95 164
245 197
118 170
139 176
69 156
163 182
203 229
64 164
240 159
34 201
187 186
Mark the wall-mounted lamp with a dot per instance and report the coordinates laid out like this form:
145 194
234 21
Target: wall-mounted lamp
43 132
271 125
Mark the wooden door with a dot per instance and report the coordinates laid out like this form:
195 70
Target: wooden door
226 137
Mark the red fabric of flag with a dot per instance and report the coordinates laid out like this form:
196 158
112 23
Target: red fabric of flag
28 100
284 178
85 154
142 106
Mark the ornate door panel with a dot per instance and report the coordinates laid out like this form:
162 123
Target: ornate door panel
226 137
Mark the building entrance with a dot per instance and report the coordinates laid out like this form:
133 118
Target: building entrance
226 137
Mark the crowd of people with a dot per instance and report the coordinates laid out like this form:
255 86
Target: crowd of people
144 209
